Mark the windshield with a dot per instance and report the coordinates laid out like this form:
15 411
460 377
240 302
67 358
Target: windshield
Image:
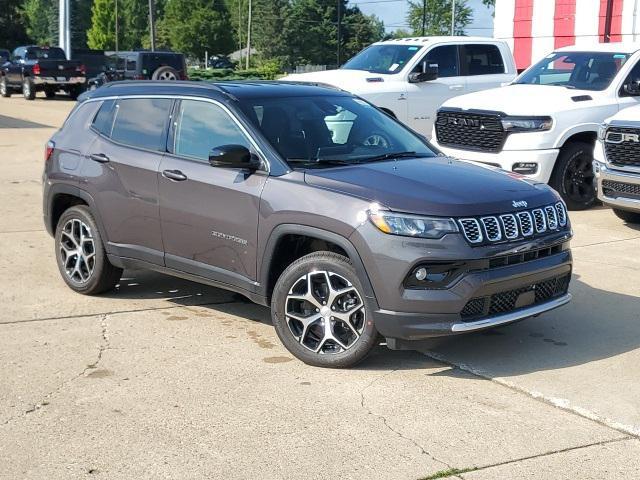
45 53
582 70
384 58
316 132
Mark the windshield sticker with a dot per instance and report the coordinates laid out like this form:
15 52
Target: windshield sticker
412 49
619 56
393 67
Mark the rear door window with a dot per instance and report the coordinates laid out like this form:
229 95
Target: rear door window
103 121
141 122
445 57
482 59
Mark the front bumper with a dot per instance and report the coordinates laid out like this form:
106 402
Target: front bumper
39 81
506 159
617 199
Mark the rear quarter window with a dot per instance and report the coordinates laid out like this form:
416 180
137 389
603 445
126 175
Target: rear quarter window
103 121
141 122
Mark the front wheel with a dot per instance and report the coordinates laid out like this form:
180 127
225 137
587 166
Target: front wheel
627 216
573 176
82 259
320 313
28 89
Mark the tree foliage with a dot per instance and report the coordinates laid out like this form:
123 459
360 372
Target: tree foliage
41 18
438 16
13 30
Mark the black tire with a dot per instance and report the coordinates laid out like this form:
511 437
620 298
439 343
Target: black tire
102 276
49 93
359 339
5 91
28 89
165 73
74 92
627 216
573 175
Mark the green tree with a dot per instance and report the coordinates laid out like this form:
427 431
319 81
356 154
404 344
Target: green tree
359 30
271 30
13 30
101 35
133 16
41 21
438 17
196 26
80 22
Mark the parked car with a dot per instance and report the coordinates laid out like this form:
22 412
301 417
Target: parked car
410 78
545 124
5 56
146 65
221 61
277 191
33 69
617 161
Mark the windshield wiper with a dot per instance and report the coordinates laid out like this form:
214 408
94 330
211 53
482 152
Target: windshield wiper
393 155
331 161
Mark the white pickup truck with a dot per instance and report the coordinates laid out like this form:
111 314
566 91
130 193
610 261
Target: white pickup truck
544 125
411 77
617 162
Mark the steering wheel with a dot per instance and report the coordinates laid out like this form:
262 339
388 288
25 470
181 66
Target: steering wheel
376 140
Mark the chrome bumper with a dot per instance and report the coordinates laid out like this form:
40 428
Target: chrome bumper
55 81
512 316
603 172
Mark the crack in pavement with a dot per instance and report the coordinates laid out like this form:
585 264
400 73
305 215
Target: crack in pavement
118 312
104 345
388 426
605 243
560 403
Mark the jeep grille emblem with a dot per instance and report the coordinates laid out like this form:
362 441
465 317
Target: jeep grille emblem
519 204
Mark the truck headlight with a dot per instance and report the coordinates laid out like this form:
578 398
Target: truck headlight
412 225
602 131
527 124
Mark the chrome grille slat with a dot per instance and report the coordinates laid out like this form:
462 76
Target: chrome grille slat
514 226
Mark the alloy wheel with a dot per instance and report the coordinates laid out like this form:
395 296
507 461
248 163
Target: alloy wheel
77 251
578 179
167 75
325 312
3 86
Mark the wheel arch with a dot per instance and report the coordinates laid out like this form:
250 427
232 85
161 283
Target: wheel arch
587 133
278 253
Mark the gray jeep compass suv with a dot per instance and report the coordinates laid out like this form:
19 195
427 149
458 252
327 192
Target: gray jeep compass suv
305 198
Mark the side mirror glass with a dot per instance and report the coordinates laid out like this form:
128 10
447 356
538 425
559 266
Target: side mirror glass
429 72
234 156
633 88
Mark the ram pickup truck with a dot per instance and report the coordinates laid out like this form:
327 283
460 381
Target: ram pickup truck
617 162
544 125
33 69
410 78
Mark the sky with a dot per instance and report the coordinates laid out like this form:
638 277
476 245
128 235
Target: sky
394 12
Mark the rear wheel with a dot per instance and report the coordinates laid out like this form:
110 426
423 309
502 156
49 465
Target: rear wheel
627 216
74 92
49 92
573 175
320 312
80 253
5 91
165 73
28 89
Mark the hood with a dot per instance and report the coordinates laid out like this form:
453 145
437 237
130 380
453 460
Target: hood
524 99
337 78
434 186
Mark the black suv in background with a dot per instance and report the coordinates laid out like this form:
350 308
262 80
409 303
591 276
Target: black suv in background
304 198
142 65
5 56
33 69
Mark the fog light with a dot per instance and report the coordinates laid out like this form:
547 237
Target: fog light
421 274
525 168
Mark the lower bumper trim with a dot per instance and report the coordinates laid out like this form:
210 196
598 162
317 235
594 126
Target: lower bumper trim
512 316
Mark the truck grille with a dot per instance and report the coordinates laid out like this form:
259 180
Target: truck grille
519 225
470 131
618 189
508 301
620 149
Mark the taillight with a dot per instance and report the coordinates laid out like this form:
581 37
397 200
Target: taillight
81 69
138 77
36 69
48 150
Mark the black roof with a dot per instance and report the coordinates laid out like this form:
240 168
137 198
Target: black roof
239 90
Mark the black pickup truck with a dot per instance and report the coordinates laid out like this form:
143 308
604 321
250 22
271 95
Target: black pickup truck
32 69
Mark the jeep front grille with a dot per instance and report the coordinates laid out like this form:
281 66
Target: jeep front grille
509 300
626 153
514 226
470 131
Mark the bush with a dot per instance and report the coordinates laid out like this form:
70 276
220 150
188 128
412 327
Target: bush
265 72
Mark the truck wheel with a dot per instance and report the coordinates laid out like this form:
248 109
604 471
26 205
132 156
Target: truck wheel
627 216
80 253
320 313
5 91
49 92
573 175
28 89
165 73
74 92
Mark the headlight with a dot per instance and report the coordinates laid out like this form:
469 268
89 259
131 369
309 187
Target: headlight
602 131
527 124
412 225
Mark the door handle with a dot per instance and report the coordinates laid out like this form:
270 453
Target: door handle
456 87
99 157
175 175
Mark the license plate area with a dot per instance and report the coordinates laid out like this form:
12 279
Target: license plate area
61 79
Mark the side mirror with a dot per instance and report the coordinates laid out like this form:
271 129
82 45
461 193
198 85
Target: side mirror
234 156
429 72
633 88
